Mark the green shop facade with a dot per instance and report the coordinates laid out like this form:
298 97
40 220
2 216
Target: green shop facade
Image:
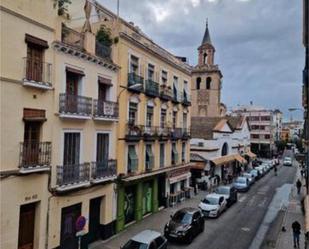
138 196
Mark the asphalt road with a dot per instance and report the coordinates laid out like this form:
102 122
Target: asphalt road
237 227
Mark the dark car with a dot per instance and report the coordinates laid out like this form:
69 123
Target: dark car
229 192
184 225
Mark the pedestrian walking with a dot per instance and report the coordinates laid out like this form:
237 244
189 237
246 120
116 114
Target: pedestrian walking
298 186
296 232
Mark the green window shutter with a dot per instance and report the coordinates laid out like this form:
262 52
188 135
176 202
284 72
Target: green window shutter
133 158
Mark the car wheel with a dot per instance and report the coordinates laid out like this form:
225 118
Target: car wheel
202 227
190 238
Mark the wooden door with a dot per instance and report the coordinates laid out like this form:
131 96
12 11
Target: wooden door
31 148
69 215
34 66
26 226
102 92
72 92
94 220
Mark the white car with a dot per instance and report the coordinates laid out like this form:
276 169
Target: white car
213 205
287 161
147 239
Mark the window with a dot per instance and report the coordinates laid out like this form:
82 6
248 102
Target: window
205 58
184 120
34 63
71 152
164 77
267 136
162 155
198 83
150 72
134 64
149 116
265 118
149 157
132 159
174 155
174 119
133 113
183 152
175 86
208 82
102 148
185 90
255 136
163 118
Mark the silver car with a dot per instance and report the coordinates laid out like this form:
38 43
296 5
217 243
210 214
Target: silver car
147 239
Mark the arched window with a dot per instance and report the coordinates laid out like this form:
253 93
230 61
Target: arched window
198 83
205 58
208 81
225 149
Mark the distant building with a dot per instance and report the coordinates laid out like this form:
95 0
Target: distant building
295 129
277 120
285 134
263 125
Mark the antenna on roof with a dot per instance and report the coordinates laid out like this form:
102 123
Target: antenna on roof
207 22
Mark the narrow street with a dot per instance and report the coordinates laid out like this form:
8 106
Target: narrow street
234 229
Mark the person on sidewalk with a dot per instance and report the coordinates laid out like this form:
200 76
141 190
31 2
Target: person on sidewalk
298 186
296 232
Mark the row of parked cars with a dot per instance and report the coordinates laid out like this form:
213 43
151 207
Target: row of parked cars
188 222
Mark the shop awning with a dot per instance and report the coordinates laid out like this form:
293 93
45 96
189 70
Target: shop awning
250 154
223 159
240 159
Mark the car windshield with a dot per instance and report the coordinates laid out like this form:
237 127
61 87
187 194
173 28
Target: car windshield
223 191
287 159
241 180
182 217
132 244
253 172
247 175
211 200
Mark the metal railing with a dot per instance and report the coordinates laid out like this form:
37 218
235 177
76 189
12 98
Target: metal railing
102 50
186 98
103 108
186 133
150 164
72 174
164 131
135 82
166 92
133 130
34 154
37 71
74 104
105 169
72 37
177 133
151 88
149 130
174 158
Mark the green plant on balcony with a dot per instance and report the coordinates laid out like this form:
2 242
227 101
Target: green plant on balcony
103 36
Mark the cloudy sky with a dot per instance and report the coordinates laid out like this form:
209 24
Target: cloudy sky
258 43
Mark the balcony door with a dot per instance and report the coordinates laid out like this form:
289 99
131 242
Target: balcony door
26 226
34 66
102 149
72 92
71 153
102 90
31 142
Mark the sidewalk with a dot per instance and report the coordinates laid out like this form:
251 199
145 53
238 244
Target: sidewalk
292 213
154 222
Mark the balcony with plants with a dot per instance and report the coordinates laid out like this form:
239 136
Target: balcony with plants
105 110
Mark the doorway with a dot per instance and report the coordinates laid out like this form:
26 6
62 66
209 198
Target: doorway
69 215
26 226
31 145
94 219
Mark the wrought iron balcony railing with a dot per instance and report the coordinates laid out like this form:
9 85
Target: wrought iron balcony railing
72 37
164 131
166 92
149 164
106 169
34 154
186 133
73 174
102 50
186 99
135 82
105 109
37 73
134 132
149 131
74 105
151 88
176 133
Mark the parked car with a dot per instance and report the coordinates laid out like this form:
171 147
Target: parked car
287 161
184 225
229 193
249 177
256 174
260 170
241 184
213 205
146 239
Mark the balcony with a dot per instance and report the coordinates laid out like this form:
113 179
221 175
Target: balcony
34 157
149 164
105 110
74 106
164 133
134 133
103 171
186 133
150 133
166 93
151 88
177 97
37 74
174 158
72 37
176 133
102 50
135 83
72 176
186 99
